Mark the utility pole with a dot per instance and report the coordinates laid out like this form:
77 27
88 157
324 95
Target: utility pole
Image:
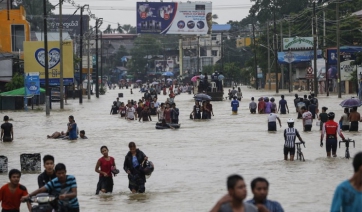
88 63
46 65
255 66
290 68
97 81
80 86
222 52
338 53
276 55
267 30
101 59
61 55
198 53
281 49
315 51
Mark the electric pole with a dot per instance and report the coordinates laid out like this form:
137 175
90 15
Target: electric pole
80 86
255 66
338 53
46 68
267 30
275 55
315 51
61 55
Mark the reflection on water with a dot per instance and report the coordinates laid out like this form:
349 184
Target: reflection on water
192 162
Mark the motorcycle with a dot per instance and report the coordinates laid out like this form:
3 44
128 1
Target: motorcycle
45 202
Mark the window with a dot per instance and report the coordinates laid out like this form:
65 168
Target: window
199 7
17 37
213 37
214 53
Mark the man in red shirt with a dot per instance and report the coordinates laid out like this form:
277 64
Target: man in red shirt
331 129
11 193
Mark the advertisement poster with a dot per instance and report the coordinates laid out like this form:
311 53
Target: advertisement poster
297 56
34 61
346 57
174 18
164 65
299 43
32 84
71 23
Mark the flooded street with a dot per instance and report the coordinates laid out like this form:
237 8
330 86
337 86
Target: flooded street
192 163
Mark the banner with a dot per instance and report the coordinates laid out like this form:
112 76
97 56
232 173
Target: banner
297 56
34 61
71 24
297 43
32 84
174 18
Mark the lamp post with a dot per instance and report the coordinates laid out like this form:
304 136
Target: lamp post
46 68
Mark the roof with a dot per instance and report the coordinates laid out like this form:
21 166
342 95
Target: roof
18 92
117 36
357 13
221 27
52 36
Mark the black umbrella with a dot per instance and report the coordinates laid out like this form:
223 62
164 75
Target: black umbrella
202 97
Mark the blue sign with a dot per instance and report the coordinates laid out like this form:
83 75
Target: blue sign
346 53
32 84
56 82
297 56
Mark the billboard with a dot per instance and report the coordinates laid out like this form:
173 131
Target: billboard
34 61
297 56
32 84
242 42
298 43
71 24
188 18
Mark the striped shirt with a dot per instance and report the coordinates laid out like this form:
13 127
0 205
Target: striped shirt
57 188
290 135
272 206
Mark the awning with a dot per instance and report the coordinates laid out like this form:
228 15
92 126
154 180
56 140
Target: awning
19 92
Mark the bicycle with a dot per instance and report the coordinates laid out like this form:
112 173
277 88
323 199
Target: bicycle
299 151
347 141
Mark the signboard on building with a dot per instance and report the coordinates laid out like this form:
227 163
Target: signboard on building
297 56
32 83
174 18
310 73
71 24
164 65
298 43
34 61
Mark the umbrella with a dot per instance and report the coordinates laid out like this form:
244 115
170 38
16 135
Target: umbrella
167 74
139 80
202 97
169 79
154 83
220 77
350 103
195 78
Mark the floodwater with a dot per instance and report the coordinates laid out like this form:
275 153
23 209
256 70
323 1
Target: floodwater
192 163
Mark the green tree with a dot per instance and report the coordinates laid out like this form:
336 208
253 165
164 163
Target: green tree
16 82
34 13
145 48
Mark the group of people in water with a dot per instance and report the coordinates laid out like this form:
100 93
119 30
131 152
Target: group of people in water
71 133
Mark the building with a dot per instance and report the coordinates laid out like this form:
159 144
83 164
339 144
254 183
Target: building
14 29
207 49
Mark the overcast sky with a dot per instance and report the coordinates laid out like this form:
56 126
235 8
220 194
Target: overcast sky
124 11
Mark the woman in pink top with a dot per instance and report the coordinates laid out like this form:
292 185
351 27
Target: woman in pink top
167 113
104 167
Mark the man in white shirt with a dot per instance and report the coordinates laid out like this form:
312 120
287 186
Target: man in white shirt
130 112
307 119
155 103
272 121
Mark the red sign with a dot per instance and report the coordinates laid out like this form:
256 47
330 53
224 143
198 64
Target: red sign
310 74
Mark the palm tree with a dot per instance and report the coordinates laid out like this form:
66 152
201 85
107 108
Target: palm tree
214 16
108 30
119 28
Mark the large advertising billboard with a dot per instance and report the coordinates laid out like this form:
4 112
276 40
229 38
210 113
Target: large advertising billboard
188 18
34 61
297 56
71 23
298 43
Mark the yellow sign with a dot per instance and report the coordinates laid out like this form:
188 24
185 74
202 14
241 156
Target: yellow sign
242 42
34 60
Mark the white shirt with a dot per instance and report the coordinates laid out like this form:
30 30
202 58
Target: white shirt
130 112
160 113
308 119
272 117
156 104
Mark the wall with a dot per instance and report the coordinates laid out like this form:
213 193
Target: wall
7 19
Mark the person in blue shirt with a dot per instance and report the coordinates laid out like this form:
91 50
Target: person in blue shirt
260 188
283 106
72 128
64 186
234 106
348 194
